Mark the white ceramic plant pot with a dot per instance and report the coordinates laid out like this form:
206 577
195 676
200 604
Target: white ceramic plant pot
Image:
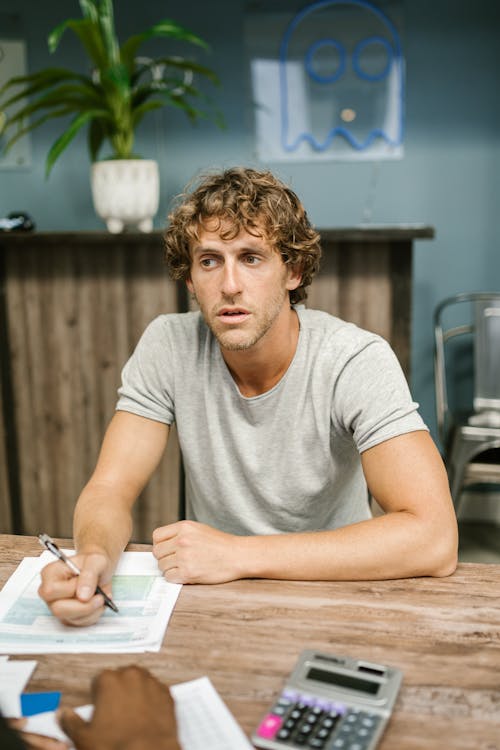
126 193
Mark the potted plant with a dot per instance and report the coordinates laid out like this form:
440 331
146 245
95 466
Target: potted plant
121 88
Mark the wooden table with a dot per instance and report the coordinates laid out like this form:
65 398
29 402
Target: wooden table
245 635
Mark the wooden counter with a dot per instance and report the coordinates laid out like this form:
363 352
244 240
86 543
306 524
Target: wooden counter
72 307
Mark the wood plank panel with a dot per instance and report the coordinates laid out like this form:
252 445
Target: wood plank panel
359 282
74 316
5 511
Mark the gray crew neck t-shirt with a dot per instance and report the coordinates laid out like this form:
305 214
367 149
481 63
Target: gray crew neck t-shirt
286 460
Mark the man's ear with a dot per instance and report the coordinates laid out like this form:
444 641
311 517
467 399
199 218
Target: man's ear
189 285
294 278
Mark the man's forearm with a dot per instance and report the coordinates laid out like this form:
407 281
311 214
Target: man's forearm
397 545
102 522
131 451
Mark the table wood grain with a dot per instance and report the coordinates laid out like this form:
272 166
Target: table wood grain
246 635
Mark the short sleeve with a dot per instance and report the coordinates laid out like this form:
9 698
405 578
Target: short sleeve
146 387
372 400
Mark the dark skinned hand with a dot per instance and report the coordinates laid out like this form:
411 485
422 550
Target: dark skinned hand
132 711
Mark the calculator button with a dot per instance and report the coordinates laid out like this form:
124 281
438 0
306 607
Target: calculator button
323 733
316 742
284 702
283 734
305 729
311 718
339 708
345 728
279 710
307 700
329 722
269 726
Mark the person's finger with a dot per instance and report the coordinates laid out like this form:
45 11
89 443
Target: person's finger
86 584
75 612
163 533
75 727
40 742
58 582
17 724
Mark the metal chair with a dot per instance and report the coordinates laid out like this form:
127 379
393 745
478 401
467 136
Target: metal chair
467 381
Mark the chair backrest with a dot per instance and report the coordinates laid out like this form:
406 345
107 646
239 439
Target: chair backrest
487 354
471 319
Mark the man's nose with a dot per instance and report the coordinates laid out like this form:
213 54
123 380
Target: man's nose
231 281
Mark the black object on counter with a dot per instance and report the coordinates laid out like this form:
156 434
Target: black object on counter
17 221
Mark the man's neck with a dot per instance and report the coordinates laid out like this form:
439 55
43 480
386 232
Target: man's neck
260 368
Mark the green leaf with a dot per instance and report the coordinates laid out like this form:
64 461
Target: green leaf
181 103
166 28
74 97
55 35
32 125
65 139
96 136
88 32
108 33
41 80
139 112
117 76
89 10
178 63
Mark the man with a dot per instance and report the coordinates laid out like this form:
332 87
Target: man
284 415
132 711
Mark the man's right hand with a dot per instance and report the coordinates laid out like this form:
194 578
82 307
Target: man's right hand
72 599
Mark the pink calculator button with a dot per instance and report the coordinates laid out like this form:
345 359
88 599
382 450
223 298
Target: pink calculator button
269 726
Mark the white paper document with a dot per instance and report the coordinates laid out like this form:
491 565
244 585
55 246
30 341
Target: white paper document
204 722
144 599
14 675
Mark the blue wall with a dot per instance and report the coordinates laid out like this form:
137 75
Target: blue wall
448 177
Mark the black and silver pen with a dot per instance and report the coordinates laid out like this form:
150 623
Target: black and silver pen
46 541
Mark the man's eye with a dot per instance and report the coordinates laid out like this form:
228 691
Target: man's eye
208 262
251 259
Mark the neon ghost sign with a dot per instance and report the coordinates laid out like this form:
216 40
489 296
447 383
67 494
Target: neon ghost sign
342 60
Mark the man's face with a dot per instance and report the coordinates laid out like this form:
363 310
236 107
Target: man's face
241 286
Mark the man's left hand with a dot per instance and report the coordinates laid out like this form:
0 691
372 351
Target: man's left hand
192 552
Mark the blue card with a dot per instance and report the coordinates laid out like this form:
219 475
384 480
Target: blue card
37 703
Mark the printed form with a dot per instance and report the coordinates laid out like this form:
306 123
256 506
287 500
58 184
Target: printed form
144 599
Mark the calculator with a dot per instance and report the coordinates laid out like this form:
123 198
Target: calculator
330 702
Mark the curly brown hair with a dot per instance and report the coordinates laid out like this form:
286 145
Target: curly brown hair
249 200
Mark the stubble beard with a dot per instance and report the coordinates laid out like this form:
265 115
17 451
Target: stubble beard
248 339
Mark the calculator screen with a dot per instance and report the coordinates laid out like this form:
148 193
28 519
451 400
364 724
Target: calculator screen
343 680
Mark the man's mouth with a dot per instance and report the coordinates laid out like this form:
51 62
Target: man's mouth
232 314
